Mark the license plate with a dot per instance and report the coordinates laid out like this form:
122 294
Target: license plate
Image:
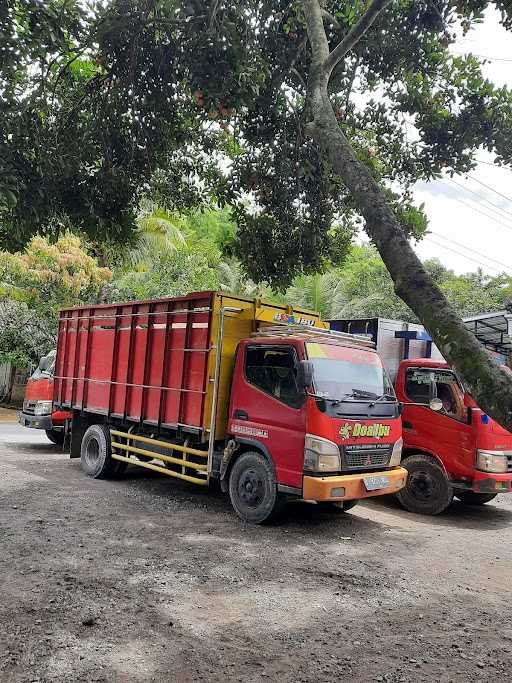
374 483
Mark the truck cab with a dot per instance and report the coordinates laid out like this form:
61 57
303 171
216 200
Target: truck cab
323 411
37 411
456 451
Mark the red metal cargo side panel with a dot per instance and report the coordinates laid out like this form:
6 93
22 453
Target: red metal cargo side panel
141 361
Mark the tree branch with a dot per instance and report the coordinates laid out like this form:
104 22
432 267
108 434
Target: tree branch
316 33
331 19
212 13
356 33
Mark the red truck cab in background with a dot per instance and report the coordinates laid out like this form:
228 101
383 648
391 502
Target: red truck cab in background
456 451
37 411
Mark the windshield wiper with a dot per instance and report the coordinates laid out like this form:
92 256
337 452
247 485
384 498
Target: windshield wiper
388 396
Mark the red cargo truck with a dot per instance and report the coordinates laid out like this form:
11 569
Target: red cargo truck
38 411
211 386
458 451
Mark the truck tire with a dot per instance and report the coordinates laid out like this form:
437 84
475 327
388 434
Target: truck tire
337 506
427 491
472 498
253 489
96 454
55 436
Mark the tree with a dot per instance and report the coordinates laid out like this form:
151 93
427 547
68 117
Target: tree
34 285
173 272
48 277
268 85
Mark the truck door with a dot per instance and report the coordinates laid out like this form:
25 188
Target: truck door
445 433
267 406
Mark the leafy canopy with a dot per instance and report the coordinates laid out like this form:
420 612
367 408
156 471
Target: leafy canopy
198 99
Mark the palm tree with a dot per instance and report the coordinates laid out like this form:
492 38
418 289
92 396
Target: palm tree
318 292
158 231
232 279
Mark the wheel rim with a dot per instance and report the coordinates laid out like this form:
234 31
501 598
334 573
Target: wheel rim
92 453
251 488
422 485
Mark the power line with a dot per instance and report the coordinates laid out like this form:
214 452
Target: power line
495 207
488 187
462 246
490 59
468 258
474 208
489 163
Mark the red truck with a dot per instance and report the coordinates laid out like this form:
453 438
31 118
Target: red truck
261 397
37 411
458 451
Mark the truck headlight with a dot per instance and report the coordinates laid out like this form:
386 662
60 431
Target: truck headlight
321 455
491 461
396 455
43 408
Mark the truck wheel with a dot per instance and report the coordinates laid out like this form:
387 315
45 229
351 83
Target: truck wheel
427 490
55 436
253 489
95 453
472 498
337 506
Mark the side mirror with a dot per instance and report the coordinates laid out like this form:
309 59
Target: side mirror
305 373
44 363
435 404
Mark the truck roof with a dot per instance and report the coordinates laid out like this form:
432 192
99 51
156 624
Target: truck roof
425 362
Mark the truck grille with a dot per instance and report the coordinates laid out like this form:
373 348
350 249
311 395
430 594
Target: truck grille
362 457
509 463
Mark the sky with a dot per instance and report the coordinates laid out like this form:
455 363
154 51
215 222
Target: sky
474 211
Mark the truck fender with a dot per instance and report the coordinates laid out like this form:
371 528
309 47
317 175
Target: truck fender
234 448
432 456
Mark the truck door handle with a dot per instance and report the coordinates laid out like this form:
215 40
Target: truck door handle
240 415
407 425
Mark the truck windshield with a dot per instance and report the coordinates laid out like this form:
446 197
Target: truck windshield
343 373
46 367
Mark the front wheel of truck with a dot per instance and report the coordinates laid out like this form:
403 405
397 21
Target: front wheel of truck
472 498
253 489
427 491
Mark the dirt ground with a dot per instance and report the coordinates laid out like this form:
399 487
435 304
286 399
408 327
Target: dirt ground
147 579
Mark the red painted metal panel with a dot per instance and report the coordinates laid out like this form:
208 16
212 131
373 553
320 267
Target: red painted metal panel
145 361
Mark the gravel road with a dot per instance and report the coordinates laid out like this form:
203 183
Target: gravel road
147 579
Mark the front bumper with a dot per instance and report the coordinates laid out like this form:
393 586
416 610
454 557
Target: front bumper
36 421
320 488
490 482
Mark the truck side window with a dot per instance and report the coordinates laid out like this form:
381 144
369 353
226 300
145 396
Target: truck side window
274 372
418 385
422 385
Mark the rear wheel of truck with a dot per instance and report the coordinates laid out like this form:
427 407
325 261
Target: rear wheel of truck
96 454
253 489
337 506
472 498
55 436
427 491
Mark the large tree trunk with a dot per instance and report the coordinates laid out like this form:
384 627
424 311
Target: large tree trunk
490 386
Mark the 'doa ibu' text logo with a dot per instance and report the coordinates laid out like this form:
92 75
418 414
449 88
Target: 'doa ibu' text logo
357 429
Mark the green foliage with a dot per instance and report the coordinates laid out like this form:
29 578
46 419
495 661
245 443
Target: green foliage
25 336
362 288
128 99
48 276
34 285
171 273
